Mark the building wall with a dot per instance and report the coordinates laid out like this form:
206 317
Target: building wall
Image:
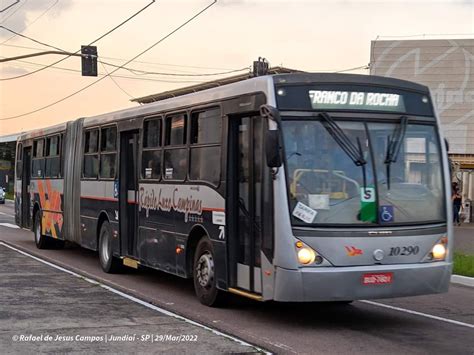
447 68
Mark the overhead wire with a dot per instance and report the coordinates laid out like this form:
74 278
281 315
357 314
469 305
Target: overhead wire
137 61
132 70
115 75
14 11
115 82
112 72
94 41
32 22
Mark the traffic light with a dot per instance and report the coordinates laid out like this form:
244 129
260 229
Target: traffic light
89 60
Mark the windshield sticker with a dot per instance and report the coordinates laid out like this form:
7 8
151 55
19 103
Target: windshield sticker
367 194
305 213
169 173
368 207
148 173
319 202
386 214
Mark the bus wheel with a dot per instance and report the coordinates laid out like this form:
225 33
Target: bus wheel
204 274
42 241
108 262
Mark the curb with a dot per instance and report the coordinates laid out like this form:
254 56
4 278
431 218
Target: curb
462 280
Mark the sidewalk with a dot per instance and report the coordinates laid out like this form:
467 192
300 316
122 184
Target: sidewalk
45 310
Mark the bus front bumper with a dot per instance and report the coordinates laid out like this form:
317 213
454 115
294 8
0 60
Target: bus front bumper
346 283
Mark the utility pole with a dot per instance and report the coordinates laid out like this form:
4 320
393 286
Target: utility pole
88 55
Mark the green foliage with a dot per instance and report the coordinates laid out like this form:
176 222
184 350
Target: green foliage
463 265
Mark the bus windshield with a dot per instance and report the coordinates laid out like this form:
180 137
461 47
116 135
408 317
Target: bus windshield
327 186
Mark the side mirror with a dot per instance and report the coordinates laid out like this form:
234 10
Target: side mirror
273 149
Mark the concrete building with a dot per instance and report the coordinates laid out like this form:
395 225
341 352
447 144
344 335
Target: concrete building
446 66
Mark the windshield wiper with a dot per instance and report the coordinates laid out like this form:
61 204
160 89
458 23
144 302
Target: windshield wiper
355 153
394 144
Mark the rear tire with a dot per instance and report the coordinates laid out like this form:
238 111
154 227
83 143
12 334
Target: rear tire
109 263
42 241
204 274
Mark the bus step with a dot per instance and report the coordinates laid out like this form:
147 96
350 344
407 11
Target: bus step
247 294
131 262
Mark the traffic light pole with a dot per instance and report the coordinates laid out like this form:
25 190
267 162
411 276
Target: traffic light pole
88 55
41 53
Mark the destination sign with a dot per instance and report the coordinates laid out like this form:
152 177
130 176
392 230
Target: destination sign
327 99
355 98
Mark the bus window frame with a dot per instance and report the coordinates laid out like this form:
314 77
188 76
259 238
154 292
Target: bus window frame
205 145
166 147
33 158
99 151
142 148
48 157
19 161
84 154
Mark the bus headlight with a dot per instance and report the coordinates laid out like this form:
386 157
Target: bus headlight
439 251
306 256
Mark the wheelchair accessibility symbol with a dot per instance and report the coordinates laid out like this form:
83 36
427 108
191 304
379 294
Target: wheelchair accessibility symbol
386 213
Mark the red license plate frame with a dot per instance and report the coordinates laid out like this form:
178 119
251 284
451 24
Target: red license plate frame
377 278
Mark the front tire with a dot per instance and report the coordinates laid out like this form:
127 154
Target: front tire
204 274
108 262
42 241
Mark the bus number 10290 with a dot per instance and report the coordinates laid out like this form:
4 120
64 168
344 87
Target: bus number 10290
404 251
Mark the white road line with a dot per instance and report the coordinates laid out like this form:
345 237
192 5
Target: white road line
6 214
419 314
136 300
9 225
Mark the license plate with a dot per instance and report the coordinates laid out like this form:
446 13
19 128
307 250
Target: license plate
377 278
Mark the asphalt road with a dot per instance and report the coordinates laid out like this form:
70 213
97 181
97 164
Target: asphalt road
360 328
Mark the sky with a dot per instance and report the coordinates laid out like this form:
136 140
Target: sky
307 35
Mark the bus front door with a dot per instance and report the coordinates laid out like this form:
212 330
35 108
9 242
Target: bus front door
128 186
25 189
245 191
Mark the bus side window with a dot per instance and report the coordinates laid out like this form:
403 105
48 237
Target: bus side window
19 163
176 154
151 156
91 154
37 170
52 157
206 131
108 152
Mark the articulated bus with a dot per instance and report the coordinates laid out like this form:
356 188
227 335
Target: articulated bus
295 187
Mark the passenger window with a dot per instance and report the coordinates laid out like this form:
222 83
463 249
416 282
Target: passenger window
176 164
176 130
108 155
19 163
91 155
206 126
205 158
52 164
109 139
151 156
152 133
91 141
38 148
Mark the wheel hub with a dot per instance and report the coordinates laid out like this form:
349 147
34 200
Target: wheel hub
205 270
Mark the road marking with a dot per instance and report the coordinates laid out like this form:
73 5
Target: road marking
6 214
9 225
419 314
139 301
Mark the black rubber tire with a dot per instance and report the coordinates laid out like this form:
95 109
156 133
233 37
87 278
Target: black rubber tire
42 241
109 263
208 295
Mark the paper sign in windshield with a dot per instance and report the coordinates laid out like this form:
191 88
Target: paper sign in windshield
319 201
305 213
